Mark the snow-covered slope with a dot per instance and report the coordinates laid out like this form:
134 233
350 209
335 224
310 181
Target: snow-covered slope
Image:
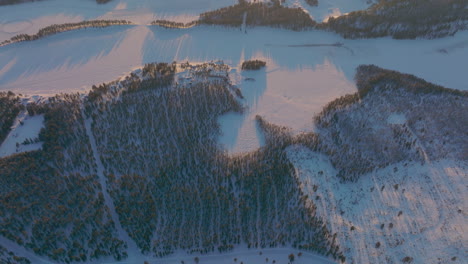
403 210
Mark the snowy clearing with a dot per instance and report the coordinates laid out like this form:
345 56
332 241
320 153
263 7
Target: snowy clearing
25 127
402 210
242 254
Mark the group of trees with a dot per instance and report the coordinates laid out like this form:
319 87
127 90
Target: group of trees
403 19
52 202
58 28
171 24
253 65
259 14
355 131
10 106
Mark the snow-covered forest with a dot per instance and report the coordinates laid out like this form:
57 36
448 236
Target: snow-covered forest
233 131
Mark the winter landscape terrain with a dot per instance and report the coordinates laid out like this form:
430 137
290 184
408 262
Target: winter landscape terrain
296 131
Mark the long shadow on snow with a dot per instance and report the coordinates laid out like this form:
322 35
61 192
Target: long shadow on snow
68 49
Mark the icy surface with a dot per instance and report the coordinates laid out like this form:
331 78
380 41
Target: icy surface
410 209
24 127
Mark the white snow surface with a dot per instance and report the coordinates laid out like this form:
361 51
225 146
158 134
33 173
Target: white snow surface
299 79
24 127
432 199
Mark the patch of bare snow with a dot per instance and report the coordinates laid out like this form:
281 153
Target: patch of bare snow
412 210
25 127
242 255
396 119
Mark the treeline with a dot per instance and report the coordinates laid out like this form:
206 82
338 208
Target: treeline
13 2
10 106
174 188
171 24
357 133
403 19
58 28
259 14
51 199
253 65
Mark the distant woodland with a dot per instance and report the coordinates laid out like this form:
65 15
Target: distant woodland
403 19
13 2
55 29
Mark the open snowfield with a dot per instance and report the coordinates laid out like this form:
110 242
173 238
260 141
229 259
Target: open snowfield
298 81
24 127
409 209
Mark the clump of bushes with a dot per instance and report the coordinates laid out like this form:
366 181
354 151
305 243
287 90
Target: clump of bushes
253 65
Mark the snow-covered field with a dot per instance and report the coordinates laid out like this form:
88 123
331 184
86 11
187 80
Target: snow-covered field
25 127
402 210
298 81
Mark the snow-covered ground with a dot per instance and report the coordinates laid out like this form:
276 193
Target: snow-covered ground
237 256
299 79
412 210
24 127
